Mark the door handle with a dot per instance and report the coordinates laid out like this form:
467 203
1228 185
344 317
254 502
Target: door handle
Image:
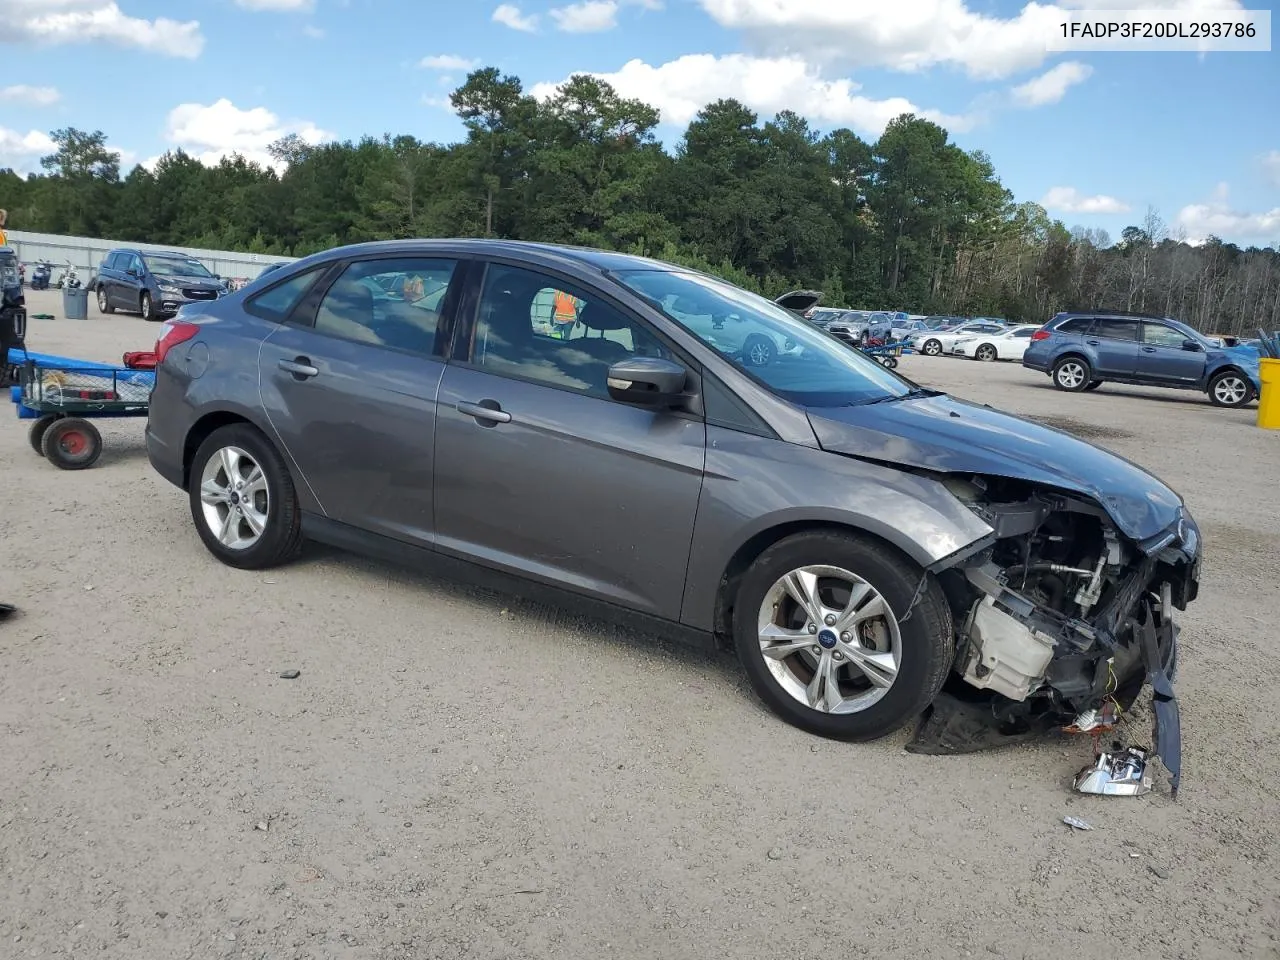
1092 343
300 367
486 411
1148 349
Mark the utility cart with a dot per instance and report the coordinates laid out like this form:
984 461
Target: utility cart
62 396
886 354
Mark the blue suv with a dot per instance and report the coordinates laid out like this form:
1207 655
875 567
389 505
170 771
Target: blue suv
1082 351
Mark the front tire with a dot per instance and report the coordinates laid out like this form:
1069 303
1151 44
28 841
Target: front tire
243 501
821 627
145 306
1230 388
1072 374
1094 385
931 348
986 353
758 351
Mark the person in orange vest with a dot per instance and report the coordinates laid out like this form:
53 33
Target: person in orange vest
4 218
564 314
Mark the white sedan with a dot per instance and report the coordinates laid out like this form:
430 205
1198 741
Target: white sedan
1010 344
934 343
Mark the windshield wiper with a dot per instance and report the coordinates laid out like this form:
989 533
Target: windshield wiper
915 394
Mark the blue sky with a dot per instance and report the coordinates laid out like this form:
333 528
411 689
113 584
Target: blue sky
1096 137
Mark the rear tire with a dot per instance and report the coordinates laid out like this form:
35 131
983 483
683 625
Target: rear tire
915 662
104 306
1072 374
1230 388
71 443
38 429
242 500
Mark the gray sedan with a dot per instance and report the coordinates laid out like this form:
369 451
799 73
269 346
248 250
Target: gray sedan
858 539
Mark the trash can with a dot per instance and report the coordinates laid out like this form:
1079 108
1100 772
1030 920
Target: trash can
1269 397
75 303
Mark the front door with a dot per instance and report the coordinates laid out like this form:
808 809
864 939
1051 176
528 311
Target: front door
350 385
539 473
1164 357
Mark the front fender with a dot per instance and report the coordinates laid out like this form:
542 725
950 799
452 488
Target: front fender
754 485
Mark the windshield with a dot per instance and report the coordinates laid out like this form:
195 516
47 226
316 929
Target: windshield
784 354
177 267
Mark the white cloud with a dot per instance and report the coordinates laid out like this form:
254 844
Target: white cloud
1217 218
81 21
911 35
22 151
34 96
277 6
591 16
682 87
1071 200
311 31
1271 166
221 129
439 103
509 15
1052 86
448 61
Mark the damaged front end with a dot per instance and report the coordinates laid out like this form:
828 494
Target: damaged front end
1061 620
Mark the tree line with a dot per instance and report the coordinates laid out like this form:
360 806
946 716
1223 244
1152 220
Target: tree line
907 222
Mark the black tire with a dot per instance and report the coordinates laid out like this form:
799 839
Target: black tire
1072 374
71 443
986 352
1231 389
1094 385
38 428
758 351
927 642
145 307
281 538
103 305
892 363
931 347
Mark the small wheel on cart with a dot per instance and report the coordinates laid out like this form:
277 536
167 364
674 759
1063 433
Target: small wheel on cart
72 444
37 431
891 363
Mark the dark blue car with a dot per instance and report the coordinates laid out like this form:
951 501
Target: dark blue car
1082 351
154 284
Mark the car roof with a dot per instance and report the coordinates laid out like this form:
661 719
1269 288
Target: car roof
589 256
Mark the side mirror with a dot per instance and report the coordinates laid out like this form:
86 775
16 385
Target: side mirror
647 381
1192 346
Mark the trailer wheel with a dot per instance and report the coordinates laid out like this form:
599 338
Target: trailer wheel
37 431
72 444
892 363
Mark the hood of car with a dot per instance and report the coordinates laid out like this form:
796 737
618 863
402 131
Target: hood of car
946 435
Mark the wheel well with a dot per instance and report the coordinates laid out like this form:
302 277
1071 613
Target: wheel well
200 432
1074 355
745 556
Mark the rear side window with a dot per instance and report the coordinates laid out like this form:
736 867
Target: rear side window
278 302
389 302
111 262
1114 328
1075 325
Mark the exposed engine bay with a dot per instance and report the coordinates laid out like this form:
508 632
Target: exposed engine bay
1060 620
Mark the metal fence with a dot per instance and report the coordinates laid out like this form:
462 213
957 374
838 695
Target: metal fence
86 253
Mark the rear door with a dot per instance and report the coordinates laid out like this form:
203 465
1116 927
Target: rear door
1164 357
540 473
1115 343
349 385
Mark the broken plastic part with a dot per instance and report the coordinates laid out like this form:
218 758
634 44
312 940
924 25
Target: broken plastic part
1075 823
1122 774
951 726
1003 655
1093 721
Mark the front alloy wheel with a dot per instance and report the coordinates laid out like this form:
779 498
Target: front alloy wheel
986 353
931 348
820 624
1230 389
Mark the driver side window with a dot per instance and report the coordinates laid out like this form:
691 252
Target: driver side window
390 303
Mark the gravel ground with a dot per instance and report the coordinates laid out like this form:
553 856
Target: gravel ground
459 774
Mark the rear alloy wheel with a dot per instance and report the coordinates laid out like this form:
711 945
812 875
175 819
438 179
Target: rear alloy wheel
103 305
820 625
243 501
145 308
1071 374
931 348
758 351
1230 389
986 353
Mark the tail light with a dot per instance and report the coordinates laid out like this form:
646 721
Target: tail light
1041 335
173 333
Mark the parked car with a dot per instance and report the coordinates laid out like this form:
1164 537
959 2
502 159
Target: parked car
1082 351
906 329
1006 345
856 537
933 343
155 285
858 327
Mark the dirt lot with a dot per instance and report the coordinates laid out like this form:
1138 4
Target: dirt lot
458 774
